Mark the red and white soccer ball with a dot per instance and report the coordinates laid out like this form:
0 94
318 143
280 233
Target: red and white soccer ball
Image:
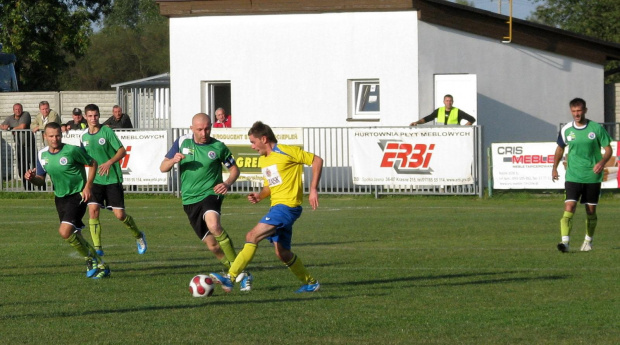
201 286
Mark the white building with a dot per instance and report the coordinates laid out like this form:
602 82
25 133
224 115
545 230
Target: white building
346 63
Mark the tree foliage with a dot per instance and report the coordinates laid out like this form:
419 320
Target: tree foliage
118 55
46 36
133 44
133 14
594 18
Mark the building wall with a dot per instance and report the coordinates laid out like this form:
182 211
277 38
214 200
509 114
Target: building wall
292 70
523 93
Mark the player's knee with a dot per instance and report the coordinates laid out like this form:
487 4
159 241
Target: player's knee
214 229
283 254
214 248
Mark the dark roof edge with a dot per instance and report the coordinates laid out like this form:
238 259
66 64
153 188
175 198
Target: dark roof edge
439 12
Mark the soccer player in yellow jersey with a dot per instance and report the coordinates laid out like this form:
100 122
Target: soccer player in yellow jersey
282 167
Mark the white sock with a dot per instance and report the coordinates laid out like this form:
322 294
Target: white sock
565 239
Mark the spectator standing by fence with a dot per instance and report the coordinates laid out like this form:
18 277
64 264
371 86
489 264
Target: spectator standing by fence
118 119
45 116
25 143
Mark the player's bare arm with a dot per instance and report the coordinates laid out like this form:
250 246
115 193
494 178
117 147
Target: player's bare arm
559 153
224 187
598 168
92 173
167 164
317 169
104 168
31 175
257 197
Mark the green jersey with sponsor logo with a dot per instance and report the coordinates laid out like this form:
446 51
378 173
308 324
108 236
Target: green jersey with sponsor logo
584 150
65 167
102 146
201 169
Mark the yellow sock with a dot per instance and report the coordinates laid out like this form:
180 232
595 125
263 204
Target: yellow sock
591 221
227 247
131 225
299 270
76 241
95 231
243 259
566 223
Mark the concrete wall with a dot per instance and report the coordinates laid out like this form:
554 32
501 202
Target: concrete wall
612 102
62 102
523 93
292 70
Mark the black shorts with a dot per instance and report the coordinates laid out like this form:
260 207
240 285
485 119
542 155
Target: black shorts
196 213
108 195
589 193
71 209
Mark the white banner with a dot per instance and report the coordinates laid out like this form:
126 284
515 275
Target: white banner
145 151
412 156
238 142
529 165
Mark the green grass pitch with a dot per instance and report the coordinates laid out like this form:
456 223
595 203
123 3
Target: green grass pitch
396 270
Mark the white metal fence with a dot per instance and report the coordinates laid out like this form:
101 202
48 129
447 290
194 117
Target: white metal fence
19 149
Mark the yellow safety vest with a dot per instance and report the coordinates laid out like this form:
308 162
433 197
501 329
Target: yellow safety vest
453 118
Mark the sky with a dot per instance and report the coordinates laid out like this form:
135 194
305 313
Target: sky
520 8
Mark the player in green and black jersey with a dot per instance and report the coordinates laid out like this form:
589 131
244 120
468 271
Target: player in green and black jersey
584 170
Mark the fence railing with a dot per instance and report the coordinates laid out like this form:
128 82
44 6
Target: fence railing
19 149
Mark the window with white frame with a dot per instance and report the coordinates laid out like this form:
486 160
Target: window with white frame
364 99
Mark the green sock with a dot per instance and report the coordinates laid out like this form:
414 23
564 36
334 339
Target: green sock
79 243
591 221
299 270
227 246
95 231
566 223
131 225
225 262
243 259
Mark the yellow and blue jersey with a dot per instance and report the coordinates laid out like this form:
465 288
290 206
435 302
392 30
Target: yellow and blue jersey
282 171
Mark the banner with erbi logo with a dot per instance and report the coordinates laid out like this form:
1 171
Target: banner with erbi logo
412 156
145 151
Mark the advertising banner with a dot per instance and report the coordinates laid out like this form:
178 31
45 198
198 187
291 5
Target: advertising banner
145 151
412 156
238 142
529 165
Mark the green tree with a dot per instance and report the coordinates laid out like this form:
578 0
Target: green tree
594 18
133 14
133 44
118 55
46 36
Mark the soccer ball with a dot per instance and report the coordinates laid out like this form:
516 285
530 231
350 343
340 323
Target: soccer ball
201 286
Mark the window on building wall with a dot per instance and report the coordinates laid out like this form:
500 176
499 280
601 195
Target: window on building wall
215 94
364 99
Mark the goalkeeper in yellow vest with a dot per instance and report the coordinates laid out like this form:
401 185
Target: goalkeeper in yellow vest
282 167
447 115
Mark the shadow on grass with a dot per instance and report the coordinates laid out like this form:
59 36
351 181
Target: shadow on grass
209 301
476 279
